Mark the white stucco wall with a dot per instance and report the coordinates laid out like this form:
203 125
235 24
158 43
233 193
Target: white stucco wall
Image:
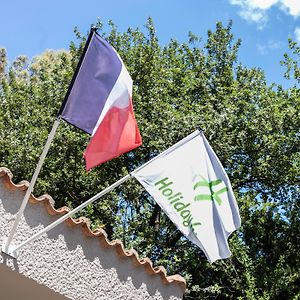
73 264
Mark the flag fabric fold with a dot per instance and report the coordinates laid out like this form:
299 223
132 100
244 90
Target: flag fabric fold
100 103
193 189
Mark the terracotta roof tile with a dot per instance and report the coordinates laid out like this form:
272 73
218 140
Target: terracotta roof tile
100 233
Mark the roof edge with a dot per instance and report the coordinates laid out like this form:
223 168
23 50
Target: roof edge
99 233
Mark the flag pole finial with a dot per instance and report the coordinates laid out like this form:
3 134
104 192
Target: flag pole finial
200 129
93 28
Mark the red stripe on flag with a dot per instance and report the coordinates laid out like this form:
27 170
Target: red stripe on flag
118 133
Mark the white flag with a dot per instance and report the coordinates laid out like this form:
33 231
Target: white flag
191 186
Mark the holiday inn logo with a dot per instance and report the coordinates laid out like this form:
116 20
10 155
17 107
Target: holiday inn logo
213 189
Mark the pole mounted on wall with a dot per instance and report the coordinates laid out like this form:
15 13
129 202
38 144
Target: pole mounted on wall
7 243
13 250
7 247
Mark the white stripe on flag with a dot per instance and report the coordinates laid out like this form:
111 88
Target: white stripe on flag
119 95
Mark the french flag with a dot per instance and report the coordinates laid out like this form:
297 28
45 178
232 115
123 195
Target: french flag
100 103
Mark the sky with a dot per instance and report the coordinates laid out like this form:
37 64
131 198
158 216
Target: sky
264 26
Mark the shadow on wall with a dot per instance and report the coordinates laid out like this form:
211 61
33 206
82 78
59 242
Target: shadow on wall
14 286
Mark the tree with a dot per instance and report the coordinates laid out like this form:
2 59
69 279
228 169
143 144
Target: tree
253 128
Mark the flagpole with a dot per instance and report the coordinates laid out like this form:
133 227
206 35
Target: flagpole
31 185
5 247
14 250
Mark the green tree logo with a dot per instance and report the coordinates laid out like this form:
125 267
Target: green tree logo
215 187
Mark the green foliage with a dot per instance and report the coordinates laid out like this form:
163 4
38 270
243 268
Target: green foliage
292 62
253 128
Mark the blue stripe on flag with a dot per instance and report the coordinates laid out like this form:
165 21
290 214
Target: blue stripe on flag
99 72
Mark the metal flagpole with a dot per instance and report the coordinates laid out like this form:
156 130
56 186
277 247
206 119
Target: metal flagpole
31 186
6 245
13 251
